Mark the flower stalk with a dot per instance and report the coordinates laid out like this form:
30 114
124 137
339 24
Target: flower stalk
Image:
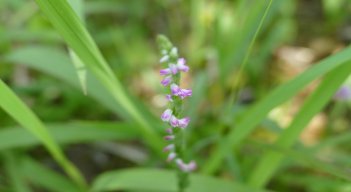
172 115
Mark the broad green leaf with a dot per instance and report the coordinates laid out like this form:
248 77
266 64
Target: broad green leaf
77 37
11 104
156 180
69 133
314 104
279 95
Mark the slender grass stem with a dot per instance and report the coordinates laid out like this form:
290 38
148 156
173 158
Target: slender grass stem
234 95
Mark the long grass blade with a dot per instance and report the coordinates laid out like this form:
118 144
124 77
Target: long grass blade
258 112
69 133
77 37
37 174
11 168
315 103
26 118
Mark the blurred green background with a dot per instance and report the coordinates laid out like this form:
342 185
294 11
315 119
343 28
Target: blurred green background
98 136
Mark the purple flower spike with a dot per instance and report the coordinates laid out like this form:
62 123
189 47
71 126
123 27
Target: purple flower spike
166 81
175 95
171 156
173 68
175 89
166 71
183 123
168 147
173 121
181 65
166 115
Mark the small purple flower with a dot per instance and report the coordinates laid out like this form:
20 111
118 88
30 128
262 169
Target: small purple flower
166 115
166 81
171 156
169 137
186 167
181 65
185 93
173 68
169 98
344 93
183 123
182 166
166 71
169 131
175 89
173 121
168 147
192 166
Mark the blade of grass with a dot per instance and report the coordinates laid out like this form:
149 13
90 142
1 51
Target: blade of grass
44 177
305 158
314 104
258 112
56 63
81 70
233 94
69 133
77 37
13 173
156 180
25 117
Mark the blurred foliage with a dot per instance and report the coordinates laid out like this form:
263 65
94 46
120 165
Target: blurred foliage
299 42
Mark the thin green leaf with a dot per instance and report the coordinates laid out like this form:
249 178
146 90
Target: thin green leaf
69 133
25 117
307 159
258 112
315 103
77 37
39 175
56 63
13 173
156 180
81 70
